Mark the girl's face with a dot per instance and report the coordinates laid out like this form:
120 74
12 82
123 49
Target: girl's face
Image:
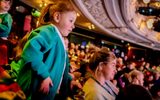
65 22
4 5
109 70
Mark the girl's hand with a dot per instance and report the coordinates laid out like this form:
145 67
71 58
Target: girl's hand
45 85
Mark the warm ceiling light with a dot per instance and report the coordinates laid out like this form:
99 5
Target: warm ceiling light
78 14
91 26
40 5
45 4
155 4
149 23
146 1
129 48
142 25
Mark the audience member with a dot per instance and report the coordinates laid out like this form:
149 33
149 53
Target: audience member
103 68
134 92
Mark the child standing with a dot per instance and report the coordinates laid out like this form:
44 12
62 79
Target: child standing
5 18
5 28
44 65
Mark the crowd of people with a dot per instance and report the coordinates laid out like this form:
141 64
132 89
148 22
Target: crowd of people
48 66
127 73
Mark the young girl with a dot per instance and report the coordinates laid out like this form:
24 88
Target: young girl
44 64
5 28
5 18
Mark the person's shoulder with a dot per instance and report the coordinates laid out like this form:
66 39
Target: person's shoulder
5 15
46 28
90 83
8 15
45 31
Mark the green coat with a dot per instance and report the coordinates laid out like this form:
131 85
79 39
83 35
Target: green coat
5 24
43 55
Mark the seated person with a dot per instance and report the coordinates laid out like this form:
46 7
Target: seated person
103 68
134 92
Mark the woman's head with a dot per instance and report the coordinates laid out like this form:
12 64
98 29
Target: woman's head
103 62
61 14
136 77
5 5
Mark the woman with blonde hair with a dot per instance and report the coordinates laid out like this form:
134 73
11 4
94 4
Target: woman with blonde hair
103 68
136 77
